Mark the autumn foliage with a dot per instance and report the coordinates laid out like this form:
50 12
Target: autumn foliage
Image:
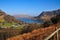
38 34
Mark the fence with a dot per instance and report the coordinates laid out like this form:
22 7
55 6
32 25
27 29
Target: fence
50 36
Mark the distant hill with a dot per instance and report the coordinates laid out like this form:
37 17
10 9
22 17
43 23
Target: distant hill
48 15
24 16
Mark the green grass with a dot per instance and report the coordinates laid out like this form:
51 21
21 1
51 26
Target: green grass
5 24
8 24
2 20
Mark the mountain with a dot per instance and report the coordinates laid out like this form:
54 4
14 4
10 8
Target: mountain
8 18
48 15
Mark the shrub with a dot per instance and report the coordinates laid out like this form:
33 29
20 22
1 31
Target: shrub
47 23
55 19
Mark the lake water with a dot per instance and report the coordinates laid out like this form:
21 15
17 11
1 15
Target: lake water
29 20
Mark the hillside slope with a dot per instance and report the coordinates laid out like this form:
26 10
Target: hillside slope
7 18
39 34
48 15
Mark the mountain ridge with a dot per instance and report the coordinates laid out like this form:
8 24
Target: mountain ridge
47 15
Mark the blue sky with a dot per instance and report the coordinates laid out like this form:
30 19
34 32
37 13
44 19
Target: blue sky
29 7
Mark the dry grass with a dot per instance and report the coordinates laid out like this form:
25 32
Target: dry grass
38 34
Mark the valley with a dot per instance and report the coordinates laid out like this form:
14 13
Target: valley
16 29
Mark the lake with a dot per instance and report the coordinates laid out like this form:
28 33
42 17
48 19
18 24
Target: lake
29 20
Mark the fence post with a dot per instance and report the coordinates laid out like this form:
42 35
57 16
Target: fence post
57 34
